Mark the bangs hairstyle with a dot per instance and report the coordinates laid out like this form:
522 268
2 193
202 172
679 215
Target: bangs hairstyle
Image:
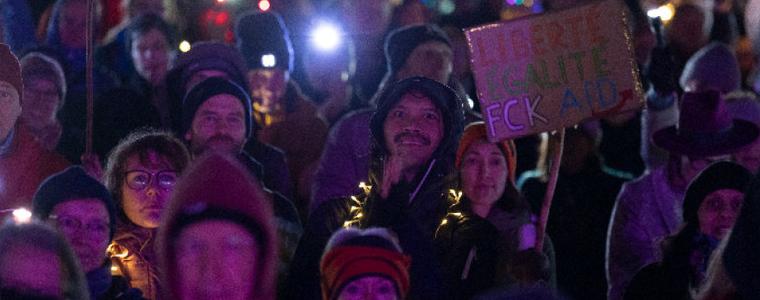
140 143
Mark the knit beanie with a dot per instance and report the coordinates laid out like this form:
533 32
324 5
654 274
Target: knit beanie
262 33
360 256
73 183
714 67
401 42
216 187
10 69
209 56
36 65
717 176
477 131
210 88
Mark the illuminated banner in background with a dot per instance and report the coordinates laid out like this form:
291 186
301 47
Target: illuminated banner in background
554 70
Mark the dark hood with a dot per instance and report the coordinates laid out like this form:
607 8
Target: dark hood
443 97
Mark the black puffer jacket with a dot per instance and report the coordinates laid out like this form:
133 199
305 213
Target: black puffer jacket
413 209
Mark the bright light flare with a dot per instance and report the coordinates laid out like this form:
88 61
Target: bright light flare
264 5
665 12
184 46
326 36
268 60
22 215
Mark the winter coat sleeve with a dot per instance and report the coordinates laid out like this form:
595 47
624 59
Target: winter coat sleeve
629 244
661 112
393 213
344 161
303 279
469 254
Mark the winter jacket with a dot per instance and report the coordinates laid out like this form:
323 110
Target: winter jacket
104 286
345 159
300 133
24 167
646 211
578 224
475 252
133 254
412 209
287 222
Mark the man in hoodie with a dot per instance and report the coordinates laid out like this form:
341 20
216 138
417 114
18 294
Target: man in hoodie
414 135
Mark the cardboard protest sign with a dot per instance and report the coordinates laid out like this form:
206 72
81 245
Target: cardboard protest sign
550 71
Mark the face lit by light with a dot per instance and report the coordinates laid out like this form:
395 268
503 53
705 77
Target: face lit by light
219 125
216 260
369 287
144 207
484 173
85 224
150 55
413 129
718 212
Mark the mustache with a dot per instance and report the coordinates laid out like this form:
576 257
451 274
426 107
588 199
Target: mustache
411 135
221 138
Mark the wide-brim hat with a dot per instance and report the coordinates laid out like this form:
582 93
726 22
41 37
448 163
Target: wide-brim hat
705 128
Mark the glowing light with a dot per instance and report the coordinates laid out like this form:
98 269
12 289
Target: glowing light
22 215
268 60
446 7
221 18
665 12
326 36
219 1
264 5
184 46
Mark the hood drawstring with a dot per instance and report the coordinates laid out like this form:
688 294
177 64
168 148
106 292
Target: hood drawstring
419 185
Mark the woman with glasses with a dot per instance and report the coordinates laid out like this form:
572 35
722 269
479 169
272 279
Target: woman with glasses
140 174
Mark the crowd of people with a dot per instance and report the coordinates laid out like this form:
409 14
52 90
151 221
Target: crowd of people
250 165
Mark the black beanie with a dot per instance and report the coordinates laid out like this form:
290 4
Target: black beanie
71 184
209 88
401 42
264 33
717 176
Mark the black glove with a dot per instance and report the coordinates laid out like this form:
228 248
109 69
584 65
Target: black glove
661 71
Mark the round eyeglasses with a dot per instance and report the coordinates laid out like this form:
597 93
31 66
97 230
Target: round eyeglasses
138 180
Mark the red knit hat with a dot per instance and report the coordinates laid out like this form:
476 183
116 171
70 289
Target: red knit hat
476 131
219 187
10 69
343 264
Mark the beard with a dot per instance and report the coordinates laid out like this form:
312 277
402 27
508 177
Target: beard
220 143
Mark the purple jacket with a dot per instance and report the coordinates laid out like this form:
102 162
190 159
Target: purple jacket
345 160
647 210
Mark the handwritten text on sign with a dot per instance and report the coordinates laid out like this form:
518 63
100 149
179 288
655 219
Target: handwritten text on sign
550 71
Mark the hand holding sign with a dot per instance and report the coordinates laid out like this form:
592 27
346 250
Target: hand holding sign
547 72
